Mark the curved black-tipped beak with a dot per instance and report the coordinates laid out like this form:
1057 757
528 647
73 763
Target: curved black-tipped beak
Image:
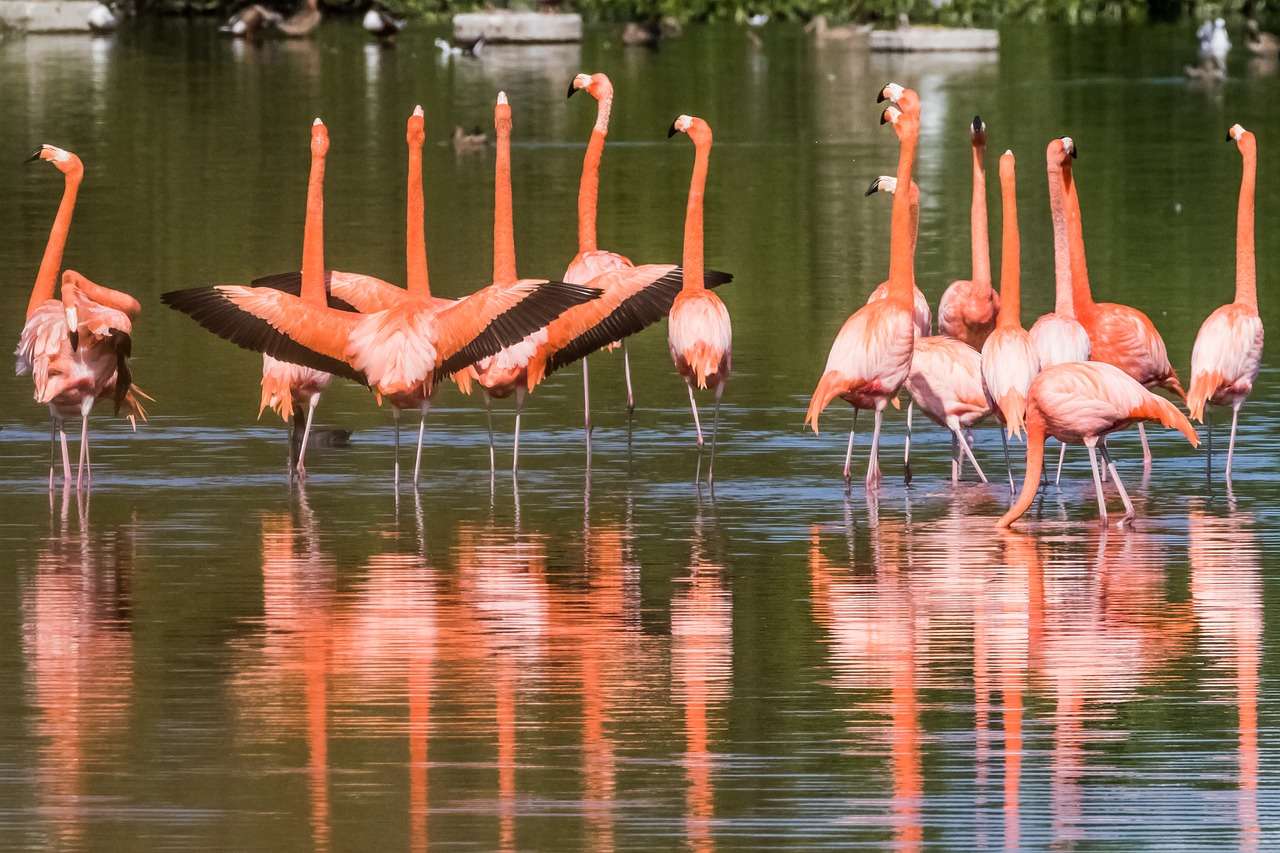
672 131
34 157
1075 151
881 97
1229 139
978 126
571 90
74 337
873 189
884 117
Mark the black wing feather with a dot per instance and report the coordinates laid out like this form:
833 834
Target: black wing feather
547 302
211 309
636 313
123 346
291 283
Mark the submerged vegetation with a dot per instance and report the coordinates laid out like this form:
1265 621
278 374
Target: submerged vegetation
945 12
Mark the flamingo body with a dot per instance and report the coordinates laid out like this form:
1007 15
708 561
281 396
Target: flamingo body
1225 359
945 381
869 360
1009 364
921 314
1125 337
967 311
700 338
1059 339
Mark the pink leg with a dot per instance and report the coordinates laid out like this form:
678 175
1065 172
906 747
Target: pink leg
693 404
1062 454
848 454
422 428
906 446
1097 483
715 428
955 457
306 434
873 464
1146 448
586 401
1129 512
515 445
488 414
626 370
1231 444
84 452
968 451
395 416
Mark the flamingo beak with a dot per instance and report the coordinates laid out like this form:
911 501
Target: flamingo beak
34 157
1229 139
673 130
571 89
873 189
74 337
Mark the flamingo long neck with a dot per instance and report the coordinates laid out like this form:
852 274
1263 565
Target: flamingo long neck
415 252
589 188
1246 266
902 273
692 260
1081 293
1010 253
47 276
313 236
915 217
504 238
1063 304
980 241
1035 462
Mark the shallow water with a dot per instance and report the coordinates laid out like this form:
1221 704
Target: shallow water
198 657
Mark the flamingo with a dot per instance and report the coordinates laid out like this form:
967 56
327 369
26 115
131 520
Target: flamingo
920 311
285 386
967 309
590 260
76 348
871 356
368 294
1009 360
1228 348
1082 403
945 381
698 331
1058 336
401 351
1118 334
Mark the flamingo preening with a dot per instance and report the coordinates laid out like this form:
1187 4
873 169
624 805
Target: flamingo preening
76 347
1228 349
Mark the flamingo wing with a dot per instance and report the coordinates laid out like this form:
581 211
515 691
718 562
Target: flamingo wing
291 283
1227 356
498 316
273 322
1009 364
587 265
43 339
1127 338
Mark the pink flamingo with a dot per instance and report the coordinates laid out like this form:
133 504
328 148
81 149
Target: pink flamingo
1118 334
591 261
76 348
1058 336
871 356
946 383
1009 360
368 294
1228 349
967 309
920 311
285 386
400 352
698 331
1082 403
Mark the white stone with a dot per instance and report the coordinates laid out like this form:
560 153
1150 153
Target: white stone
916 39
46 16
502 26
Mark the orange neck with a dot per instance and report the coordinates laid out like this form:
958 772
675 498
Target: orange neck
915 217
902 275
313 236
1246 267
1035 461
1082 295
589 188
980 241
504 239
1063 305
47 276
692 261
415 252
1010 249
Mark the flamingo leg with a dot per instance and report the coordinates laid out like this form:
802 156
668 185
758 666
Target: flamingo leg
1231 444
1008 466
306 434
955 457
53 443
422 428
84 451
66 457
395 416
515 445
693 404
586 401
626 371
906 447
1097 483
1146 448
873 463
1208 458
968 451
715 428
1062 454
488 414
848 454
1115 477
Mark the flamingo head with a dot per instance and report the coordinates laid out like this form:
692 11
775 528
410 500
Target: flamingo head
502 112
883 184
1060 152
319 139
598 85
64 161
978 131
1006 165
697 129
1237 134
890 92
415 131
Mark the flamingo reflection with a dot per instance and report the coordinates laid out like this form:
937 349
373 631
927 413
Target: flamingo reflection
77 643
1226 595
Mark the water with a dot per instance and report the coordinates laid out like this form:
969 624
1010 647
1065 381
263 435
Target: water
199 658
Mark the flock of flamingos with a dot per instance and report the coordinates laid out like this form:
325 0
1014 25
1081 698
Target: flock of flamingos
1080 373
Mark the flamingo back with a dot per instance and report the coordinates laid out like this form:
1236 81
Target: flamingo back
700 337
1089 399
1009 364
284 385
921 314
588 265
869 360
945 381
967 311
1225 359
1126 337
1059 340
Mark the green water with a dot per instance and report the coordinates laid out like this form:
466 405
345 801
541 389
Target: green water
198 657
